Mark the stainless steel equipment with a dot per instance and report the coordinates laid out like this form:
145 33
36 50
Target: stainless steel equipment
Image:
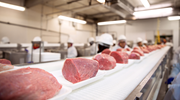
19 57
83 51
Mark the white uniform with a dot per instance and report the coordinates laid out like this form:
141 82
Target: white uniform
93 49
174 90
117 47
72 52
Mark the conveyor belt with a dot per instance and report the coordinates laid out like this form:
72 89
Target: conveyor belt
118 85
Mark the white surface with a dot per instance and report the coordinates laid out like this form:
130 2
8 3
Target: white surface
63 81
46 57
118 67
62 93
8 45
118 85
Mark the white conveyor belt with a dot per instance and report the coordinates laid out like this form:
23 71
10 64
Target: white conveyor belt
120 84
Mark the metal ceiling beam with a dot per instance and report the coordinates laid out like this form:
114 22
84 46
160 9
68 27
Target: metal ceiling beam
84 7
91 16
70 2
31 3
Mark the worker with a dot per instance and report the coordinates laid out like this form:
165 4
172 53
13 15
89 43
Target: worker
5 40
145 43
176 66
104 42
174 90
114 43
72 52
139 42
36 46
121 43
92 46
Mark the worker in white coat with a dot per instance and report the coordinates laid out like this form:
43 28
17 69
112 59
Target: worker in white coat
121 43
104 42
35 48
145 43
139 42
174 90
92 46
176 66
72 52
5 40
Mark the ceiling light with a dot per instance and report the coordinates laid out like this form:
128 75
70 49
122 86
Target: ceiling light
101 1
153 13
174 18
12 6
112 22
72 19
145 3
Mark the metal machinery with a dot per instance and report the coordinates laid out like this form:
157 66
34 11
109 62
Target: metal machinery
15 54
83 51
62 50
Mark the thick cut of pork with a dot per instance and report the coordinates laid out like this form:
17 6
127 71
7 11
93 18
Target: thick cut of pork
139 51
5 61
120 57
106 51
5 67
120 49
106 62
134 56
79 69
127 49
28 84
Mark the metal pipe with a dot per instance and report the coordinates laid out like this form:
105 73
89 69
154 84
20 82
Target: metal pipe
71 9
30 27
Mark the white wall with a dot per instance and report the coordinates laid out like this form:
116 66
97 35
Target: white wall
146 29
32 17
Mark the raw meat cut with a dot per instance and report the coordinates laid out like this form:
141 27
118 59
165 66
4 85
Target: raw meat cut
5 61
144 49
106 51
79 69
120 49
139 51
5 67
127 49
106 62
120 57
28 84
134 56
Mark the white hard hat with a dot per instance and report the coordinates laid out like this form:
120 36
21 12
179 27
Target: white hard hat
106 39
91 39
122 37
70 40
139 40
5 40
145 42
114 41
37 39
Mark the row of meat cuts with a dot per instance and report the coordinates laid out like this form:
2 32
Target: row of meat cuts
37 84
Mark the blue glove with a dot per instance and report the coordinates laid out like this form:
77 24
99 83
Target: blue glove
26 50
169 80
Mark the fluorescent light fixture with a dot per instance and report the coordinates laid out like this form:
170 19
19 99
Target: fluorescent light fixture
174 18
112 22
101 1
12 6
72 19
155 6
145 3
153 13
